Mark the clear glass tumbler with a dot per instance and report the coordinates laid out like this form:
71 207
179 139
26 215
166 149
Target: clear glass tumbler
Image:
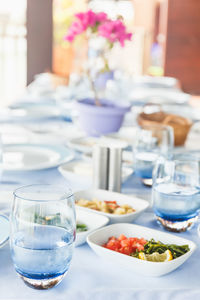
176 193
43 229
151 142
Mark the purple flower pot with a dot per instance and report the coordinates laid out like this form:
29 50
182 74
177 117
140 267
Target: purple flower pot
99 120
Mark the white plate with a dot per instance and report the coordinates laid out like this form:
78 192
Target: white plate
33 111
186 111
161 96
138 204
83 170
26 157
91 220
155 82
85 144
146 268
4 230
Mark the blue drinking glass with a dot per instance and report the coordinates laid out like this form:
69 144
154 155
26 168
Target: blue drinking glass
176 192
151 142
43 229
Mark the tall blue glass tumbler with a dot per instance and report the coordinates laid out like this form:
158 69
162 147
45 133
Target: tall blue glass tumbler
151 142
176 192
43 228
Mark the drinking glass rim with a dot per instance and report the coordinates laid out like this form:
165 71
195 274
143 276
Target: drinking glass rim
68 194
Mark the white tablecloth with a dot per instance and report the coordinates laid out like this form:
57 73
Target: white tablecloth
89 276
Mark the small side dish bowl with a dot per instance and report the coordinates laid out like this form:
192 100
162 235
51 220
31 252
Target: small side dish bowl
91 220
144 267
102 195
83 144
82 170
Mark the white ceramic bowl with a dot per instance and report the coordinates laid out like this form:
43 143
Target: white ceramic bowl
127 158
91 220
82 170
146 268
138 204
82 144
85 144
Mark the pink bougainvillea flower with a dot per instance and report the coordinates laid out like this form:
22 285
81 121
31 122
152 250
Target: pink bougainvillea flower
75 29
84 20
101 17
114 31
87 19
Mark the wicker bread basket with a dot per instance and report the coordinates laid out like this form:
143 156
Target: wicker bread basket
180 125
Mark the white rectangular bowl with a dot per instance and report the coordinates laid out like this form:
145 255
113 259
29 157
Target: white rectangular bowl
138 204
67 170
91 220
146 268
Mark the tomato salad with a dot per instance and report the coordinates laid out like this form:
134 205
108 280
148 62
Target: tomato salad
144 249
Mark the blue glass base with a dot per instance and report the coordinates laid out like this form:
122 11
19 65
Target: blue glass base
177 226
172 217
42 284
39 276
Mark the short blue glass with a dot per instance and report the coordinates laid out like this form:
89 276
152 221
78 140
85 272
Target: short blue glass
43 228
151 142
176 192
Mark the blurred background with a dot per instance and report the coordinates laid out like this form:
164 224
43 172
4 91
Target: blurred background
166 40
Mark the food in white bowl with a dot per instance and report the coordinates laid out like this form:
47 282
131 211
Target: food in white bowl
147 267
144 249
130 202
91 221
81 227
110 207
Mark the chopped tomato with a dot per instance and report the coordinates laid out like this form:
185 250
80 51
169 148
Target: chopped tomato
112 206
113 244
143 241
125 245
122 237
126 250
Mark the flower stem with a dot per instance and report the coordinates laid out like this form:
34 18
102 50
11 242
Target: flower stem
92 84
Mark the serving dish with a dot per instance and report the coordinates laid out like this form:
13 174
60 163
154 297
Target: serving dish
85 144
127 157
82 144
32 111
82 170
159 95
91 220
138 204
146 268
156 82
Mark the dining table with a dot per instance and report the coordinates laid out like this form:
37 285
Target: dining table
89 276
